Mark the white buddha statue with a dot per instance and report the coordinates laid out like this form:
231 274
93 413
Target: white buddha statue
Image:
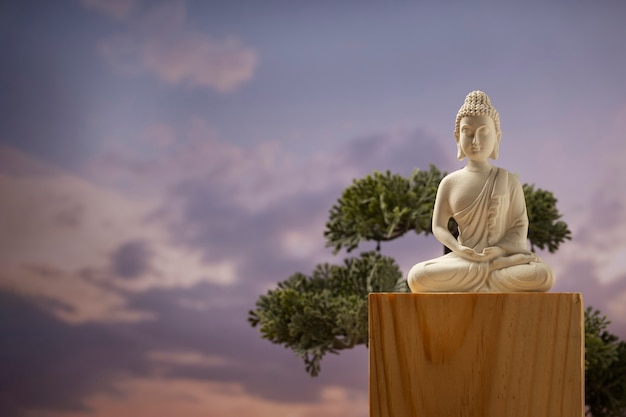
491 253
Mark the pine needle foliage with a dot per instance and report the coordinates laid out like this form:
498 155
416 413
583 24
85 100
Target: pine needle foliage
605 368
327 311
545 230
383 207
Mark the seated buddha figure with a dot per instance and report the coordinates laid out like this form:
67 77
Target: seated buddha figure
491 252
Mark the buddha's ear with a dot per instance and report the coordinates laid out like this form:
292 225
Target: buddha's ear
496 149
460 155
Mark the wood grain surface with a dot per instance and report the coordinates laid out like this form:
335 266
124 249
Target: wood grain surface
476 355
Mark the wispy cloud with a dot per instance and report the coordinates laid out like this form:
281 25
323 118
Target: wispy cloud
593 262
198 210
187 358
196 398
117 9
226 199
159 42
68 295
80 248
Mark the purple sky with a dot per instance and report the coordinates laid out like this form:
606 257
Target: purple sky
162 164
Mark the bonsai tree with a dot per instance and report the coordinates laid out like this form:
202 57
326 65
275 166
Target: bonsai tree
326 311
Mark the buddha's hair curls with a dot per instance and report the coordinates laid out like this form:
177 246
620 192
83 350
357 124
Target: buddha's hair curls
477 103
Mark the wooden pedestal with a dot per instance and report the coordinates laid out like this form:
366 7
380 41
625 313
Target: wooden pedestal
476 355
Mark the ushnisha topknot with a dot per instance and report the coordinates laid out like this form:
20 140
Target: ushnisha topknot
477 103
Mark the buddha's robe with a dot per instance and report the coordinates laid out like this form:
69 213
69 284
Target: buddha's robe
494 218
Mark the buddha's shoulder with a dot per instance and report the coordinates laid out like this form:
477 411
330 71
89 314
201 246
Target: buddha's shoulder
453 174
454 177
511 176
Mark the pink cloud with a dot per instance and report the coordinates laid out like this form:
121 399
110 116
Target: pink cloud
159 135
159 43
68 296
256 178
165 397
187 358
67 243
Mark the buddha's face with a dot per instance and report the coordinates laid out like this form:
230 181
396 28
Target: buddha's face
477 137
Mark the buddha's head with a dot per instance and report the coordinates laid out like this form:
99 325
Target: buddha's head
477 103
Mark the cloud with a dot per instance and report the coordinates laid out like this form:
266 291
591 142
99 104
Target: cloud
228 350
159 43
74 363
150 242
159 135
227 201
262 209
616 309
69 296
81 248
117 9
593 262
400 151
195 398
131 259
187 358
69 360
600 233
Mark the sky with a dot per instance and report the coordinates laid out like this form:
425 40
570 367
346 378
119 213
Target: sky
164 163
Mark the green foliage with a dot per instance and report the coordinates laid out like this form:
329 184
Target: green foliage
605 368
326 312
545 230
382 207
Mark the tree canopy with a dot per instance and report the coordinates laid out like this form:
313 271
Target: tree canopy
326 311
382 207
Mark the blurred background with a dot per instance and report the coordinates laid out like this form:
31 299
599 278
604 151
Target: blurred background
163 163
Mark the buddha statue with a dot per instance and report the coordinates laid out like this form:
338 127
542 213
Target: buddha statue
491 252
